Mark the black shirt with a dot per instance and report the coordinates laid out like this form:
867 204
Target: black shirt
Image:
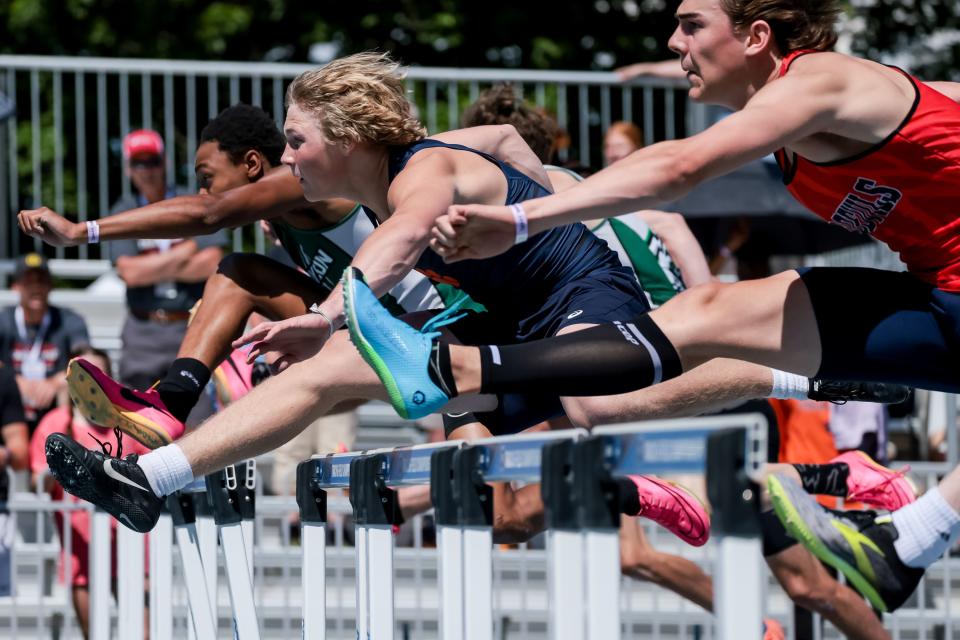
11 411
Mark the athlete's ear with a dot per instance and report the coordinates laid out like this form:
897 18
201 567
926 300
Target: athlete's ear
253 164
758 38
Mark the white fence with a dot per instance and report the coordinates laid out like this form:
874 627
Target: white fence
62 147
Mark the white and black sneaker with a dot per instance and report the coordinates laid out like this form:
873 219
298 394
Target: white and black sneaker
839 392
116 485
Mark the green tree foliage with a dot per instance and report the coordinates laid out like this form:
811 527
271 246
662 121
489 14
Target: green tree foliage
560 34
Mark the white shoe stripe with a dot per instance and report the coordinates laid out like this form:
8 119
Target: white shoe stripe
110 471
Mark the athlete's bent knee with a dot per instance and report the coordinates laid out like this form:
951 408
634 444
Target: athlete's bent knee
817 595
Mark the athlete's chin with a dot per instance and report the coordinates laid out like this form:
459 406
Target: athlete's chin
310 192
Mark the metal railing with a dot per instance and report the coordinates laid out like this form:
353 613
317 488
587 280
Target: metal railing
62 147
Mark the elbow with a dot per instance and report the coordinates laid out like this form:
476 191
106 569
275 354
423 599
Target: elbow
210 216
682 171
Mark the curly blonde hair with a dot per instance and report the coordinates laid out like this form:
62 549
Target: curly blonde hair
358 98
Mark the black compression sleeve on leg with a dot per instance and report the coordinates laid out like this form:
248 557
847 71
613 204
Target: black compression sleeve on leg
603 360
824 479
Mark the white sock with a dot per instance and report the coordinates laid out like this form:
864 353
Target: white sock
167 469
789 385
926 528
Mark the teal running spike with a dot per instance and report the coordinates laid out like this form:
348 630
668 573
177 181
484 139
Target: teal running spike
398 353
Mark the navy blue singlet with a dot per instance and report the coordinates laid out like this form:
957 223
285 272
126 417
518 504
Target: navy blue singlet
515 283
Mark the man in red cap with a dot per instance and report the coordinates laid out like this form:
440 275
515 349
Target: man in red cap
164 278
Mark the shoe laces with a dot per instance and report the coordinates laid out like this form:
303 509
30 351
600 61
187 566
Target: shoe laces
107 447
880 486
445 317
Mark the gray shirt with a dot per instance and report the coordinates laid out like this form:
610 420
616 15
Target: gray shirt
169 296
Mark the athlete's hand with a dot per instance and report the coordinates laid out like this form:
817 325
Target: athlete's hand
287 341
469 232
49 226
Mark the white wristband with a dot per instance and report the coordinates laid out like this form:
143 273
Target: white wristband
315 308
520 220
93 232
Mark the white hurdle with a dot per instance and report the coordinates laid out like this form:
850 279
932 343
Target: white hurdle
577 472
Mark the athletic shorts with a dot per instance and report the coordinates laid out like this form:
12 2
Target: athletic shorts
885 326
597 298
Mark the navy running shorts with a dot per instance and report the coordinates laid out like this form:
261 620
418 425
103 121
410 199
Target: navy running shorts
885 326
599 297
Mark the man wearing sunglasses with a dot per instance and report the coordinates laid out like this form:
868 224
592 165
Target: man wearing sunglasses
164 278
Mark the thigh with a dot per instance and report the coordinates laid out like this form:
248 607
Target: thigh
769 322
279 292
885 326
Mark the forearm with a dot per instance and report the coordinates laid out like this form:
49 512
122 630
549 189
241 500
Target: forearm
647 177
200 266
173 218
385 258
150 268
681 244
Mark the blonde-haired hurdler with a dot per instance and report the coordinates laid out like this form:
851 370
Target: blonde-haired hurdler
561 281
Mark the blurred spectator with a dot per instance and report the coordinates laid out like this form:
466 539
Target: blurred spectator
164 278
68 420
860 426
500 105
36 337
13 456
620 140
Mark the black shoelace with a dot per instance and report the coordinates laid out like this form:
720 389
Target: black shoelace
107 447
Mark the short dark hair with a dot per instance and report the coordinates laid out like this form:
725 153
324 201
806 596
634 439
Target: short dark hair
242 127
796 24
500 105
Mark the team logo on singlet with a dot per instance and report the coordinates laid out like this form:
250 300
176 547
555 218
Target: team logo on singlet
866 207
317 266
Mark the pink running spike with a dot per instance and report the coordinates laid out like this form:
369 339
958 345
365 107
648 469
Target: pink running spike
140 414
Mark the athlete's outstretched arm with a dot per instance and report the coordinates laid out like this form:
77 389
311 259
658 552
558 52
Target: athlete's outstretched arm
420 193
658 173
272 195
681 244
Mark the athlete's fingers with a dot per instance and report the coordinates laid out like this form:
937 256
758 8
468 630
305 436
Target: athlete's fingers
443 240
438 247
256 334
458 215
444 227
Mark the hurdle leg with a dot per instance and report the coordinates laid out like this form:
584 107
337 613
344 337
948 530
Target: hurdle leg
566 563
602 554
738 578
312 502
451 581
375 512
130 584
380 581
161 579
474 500
566 584
478 582
206 534
227 499
181 507
100 577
